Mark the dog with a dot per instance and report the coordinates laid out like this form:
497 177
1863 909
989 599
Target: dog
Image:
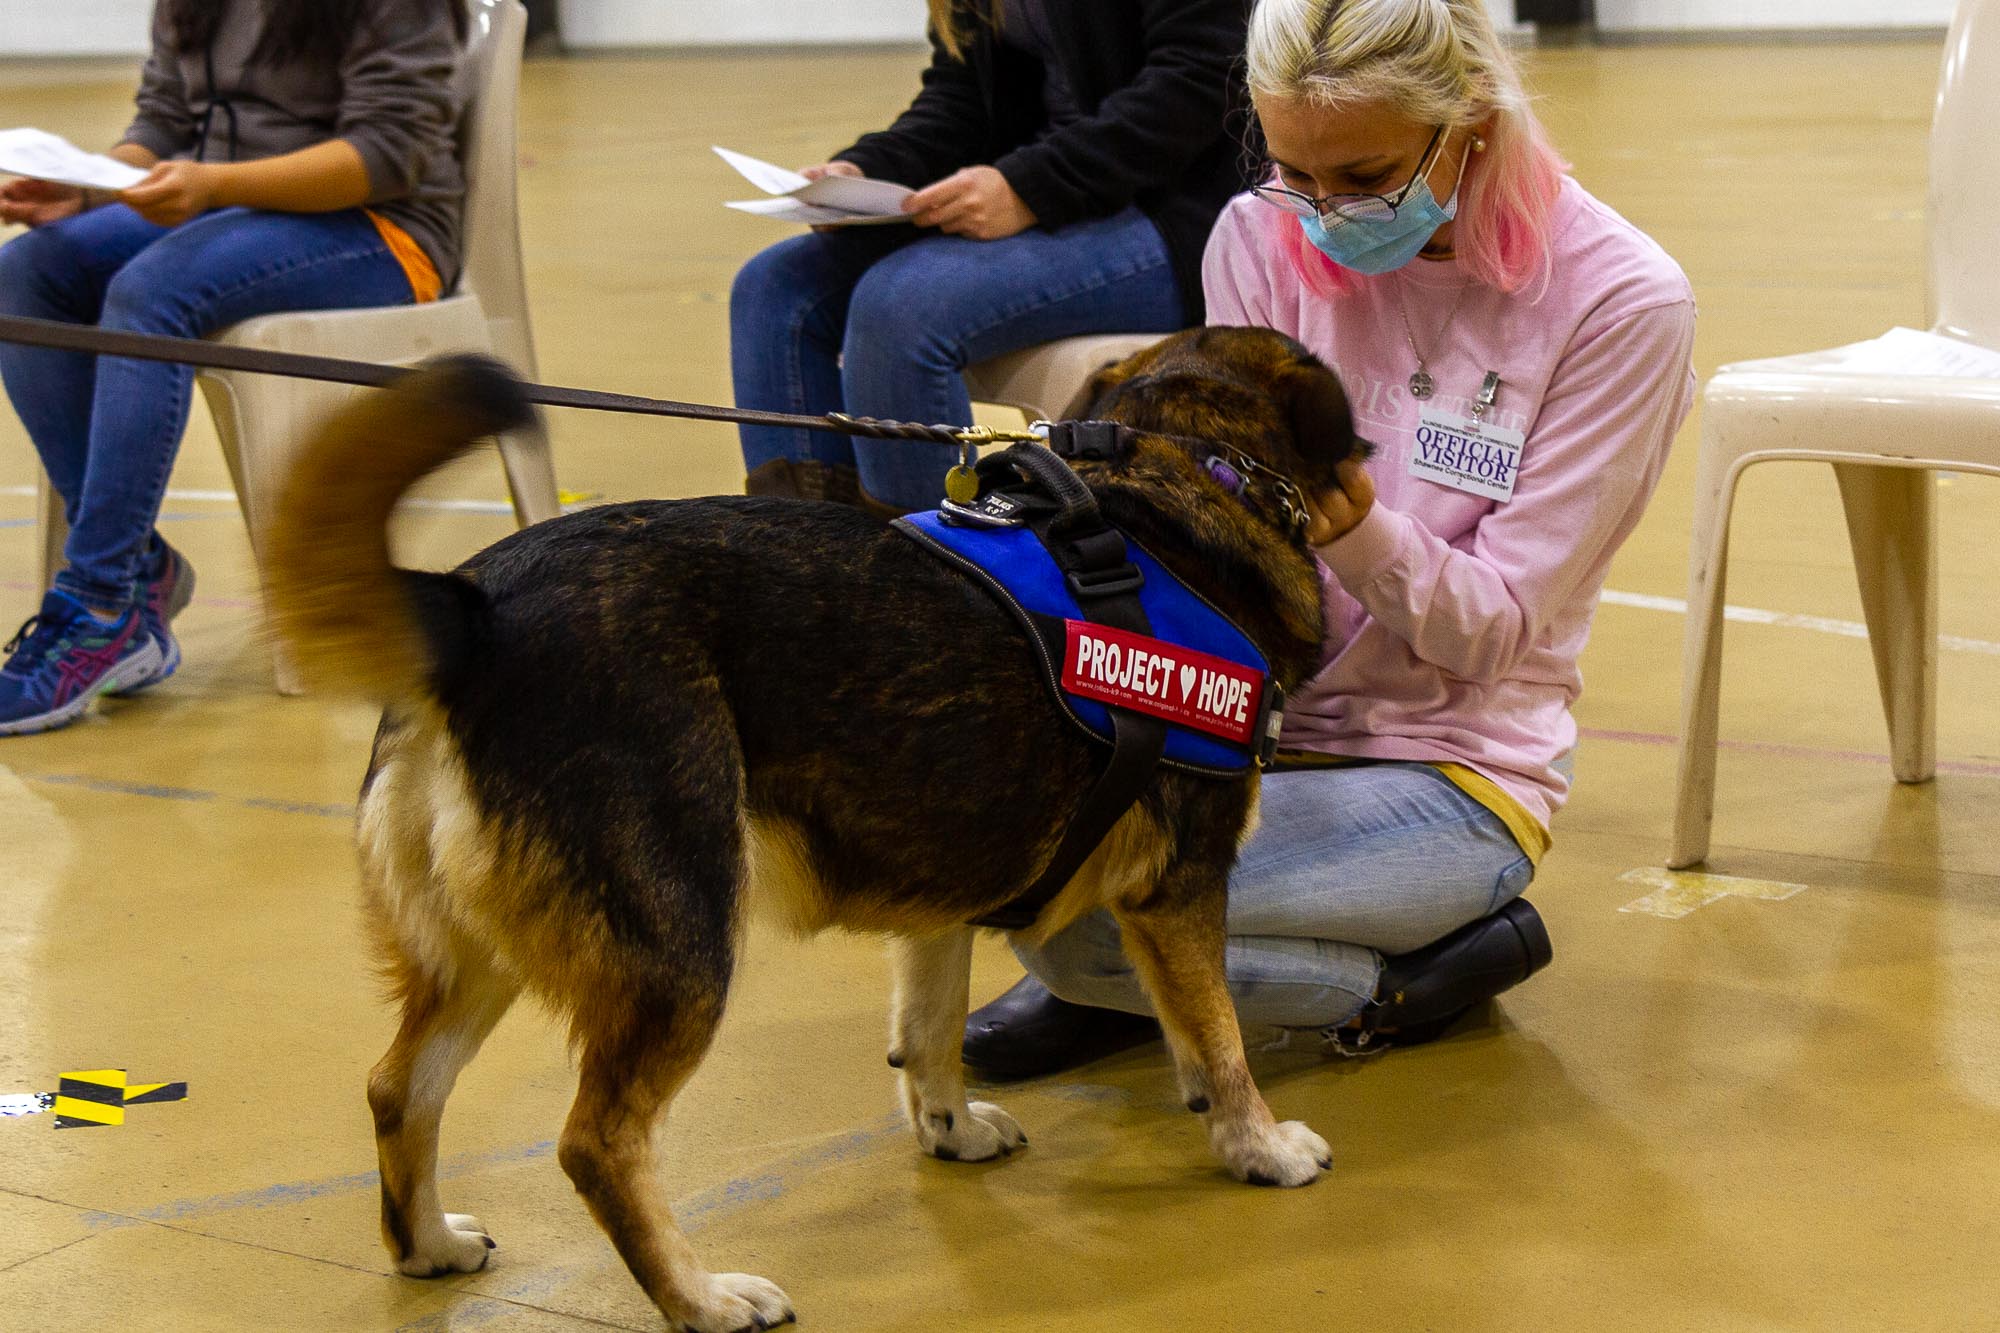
606 733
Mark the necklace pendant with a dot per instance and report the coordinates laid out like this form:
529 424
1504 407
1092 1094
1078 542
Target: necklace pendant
1421 384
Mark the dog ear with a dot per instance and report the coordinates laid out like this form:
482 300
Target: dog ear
1090 399
1322 423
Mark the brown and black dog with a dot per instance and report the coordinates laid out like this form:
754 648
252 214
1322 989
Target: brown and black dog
606 733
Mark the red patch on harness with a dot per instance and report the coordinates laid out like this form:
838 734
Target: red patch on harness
1163 680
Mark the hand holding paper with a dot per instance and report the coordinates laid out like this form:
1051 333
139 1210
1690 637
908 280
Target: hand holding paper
49 157
33 203
830 201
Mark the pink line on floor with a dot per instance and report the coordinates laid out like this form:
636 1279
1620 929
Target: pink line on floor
1957 767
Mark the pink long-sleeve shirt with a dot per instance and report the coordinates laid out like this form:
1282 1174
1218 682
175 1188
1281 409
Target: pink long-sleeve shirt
1454 622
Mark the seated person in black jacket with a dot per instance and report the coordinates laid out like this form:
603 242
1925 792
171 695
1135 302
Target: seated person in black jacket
1069 159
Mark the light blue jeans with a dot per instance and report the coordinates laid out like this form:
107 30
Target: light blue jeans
1347 864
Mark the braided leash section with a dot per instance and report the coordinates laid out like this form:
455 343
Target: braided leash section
875 428
95 341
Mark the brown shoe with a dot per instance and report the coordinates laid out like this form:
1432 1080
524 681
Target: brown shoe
808 479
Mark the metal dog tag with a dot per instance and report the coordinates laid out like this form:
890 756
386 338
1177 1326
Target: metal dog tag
961 485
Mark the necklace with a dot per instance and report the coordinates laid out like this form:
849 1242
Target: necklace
1421 384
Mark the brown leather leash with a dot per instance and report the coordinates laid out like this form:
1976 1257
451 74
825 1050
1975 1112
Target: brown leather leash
88 338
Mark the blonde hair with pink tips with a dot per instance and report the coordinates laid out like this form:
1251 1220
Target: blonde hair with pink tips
1438 62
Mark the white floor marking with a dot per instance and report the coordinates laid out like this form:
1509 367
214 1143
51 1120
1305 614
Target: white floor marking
1749 615
1851 629
1679 892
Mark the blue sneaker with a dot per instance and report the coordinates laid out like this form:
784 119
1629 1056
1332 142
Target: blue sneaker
64 657
168 588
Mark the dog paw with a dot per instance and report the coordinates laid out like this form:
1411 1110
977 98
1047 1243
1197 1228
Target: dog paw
1288 1154
459 1245
1194 1091
740 1303
977 1133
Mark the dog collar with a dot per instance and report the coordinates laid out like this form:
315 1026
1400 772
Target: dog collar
1229 467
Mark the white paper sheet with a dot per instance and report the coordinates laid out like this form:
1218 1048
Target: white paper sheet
830 201
797 210
1903 351
49 157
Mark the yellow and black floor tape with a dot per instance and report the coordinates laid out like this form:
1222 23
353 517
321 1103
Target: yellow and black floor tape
87 1098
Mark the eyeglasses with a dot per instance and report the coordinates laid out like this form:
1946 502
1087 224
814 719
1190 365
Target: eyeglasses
1350 207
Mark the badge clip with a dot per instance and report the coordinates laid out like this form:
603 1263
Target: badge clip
1489 389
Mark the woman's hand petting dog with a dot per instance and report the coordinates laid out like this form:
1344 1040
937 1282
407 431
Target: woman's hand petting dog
1337 510
977 203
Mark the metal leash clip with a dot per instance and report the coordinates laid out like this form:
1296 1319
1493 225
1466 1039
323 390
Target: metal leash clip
961 484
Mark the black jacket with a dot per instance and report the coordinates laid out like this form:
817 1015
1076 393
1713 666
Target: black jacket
1164 115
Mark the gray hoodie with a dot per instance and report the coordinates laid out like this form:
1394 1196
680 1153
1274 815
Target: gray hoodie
394 97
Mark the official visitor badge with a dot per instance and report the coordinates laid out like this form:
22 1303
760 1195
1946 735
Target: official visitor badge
1466 454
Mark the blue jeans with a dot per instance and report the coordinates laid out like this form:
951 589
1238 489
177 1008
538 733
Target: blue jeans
881 321
108 429
1347 864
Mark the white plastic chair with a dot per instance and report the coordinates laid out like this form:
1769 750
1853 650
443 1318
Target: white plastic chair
1044 382
1882 431
261 419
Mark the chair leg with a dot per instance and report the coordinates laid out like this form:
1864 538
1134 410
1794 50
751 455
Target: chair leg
227 410
1892 526
54 526
531 473
1701 659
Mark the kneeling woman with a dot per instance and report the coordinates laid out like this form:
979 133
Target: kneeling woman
302 156
1520 356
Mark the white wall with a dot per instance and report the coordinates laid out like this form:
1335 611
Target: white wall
74 27
1672 15
589 23
596 23
90 27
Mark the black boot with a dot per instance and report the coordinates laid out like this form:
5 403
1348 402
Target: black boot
1029 1032
1422 993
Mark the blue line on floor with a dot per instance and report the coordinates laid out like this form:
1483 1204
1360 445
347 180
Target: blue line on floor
770 1183
158 793
501 1297
300 1191
528 1286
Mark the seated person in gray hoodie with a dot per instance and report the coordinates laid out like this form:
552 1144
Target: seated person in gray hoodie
302 155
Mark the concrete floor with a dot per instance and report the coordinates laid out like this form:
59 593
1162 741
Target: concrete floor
1763 1115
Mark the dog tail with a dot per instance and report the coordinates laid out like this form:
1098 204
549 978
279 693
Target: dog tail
356 623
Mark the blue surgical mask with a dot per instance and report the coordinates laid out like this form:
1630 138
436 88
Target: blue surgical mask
1383 245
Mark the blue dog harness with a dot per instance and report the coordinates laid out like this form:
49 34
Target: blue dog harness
1018 569
1132 655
